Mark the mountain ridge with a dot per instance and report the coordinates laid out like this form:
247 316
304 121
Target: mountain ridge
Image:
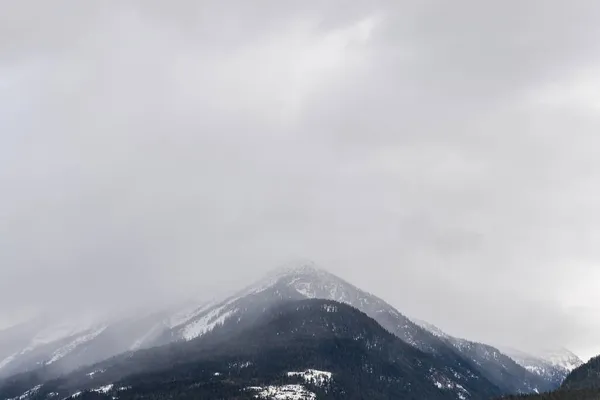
495 364
287 283
362 359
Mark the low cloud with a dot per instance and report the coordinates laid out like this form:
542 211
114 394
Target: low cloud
440 156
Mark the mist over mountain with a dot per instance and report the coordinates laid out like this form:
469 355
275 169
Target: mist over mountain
438 160
438 155
184 338
582 383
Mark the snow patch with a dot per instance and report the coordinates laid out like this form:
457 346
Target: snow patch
240 365
207 323
329 308
305 290
443 383
562 358
7 360
62 330
98 371
185 315
63 351
104 389
28 393
283 392
313 376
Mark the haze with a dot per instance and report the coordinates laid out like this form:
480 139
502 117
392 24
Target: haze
442 155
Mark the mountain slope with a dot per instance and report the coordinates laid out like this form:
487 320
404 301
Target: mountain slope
496 366
103 339
552 366
304 282
583 383
66 344
324 349
586 376
308 281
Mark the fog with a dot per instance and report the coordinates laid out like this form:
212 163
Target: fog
440 155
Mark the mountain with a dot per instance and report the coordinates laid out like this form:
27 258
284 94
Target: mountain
583 383
66 344
494 364
586 376
94 341
294 349
551 365
308 281
304 281
62 346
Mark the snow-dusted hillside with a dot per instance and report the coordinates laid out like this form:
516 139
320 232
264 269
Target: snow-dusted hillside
494 364
67 345
562 358
45 343
308 281
69 348
298 282
552 365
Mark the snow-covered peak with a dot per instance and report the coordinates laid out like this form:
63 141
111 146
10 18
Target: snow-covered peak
552 365
303 280
302 267
562 358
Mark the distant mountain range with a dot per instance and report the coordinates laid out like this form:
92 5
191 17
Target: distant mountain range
282 329
552 366
583 383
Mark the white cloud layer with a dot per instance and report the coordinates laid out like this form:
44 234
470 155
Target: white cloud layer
443 156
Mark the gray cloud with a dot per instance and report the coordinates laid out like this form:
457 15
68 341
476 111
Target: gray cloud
439 155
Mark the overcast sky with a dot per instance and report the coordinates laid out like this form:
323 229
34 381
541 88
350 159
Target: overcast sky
443 155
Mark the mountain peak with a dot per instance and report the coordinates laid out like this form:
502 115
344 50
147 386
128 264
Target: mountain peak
561 357
558 357
299 267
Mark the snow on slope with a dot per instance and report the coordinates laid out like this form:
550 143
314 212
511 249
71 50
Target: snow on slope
8 360
283 392
104 389
551 365
297 281
294 282
74 341
497 366
28 393
308 281
54 341
207 323
442 382
302 281
313 376
63 351
60 330
185 314
562 358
